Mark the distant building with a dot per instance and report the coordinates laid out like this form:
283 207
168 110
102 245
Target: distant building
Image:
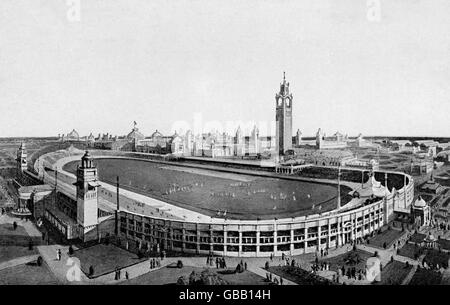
297 140
432 187
361 142
427 146
338 140
420 167
401 145
371 165
72 136
157 143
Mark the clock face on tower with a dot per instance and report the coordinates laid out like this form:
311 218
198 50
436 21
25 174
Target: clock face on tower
280 101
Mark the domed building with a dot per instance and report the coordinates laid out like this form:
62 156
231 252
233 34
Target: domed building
156 135
135 135
71 136
421 212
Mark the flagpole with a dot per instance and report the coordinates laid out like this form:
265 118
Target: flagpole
339 188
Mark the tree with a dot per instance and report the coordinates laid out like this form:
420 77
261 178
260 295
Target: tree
182 280
206 277
239 268
180 264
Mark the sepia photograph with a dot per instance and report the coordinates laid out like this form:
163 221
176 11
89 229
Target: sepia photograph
198 143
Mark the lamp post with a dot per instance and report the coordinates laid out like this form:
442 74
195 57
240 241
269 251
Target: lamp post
117 207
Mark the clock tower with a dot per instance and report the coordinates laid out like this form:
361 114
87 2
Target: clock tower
283 101
87 200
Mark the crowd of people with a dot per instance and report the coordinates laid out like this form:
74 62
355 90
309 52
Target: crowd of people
351 273
175 188
223 194
240 184
273 279
320 267
219 261
154 262
283 196
260 191
118 274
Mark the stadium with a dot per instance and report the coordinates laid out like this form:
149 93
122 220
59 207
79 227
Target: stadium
234 210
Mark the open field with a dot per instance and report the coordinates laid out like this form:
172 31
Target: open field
394 273
426 277
169 276
14 243
436 257
27 274
411 250
390 161
8 253
353 259
105 258
261 197
18 237
298 275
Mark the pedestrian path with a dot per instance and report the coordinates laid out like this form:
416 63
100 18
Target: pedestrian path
28 226
261 272
63 269
142 268
133 272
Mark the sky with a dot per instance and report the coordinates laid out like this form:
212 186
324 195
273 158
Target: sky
376 67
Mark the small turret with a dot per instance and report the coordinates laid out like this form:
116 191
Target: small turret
22 158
